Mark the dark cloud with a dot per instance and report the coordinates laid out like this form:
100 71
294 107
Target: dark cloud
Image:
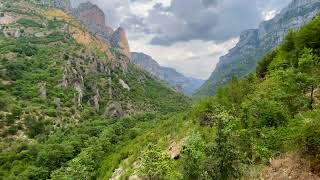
184 20
216 20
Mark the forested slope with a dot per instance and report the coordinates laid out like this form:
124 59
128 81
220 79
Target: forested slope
67 99
251 121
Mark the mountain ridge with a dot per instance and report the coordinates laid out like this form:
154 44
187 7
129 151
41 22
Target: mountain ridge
254 43
187 85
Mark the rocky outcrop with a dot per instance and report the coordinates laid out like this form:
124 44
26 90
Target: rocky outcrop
120 42
91 16
95 20
124 85
254 43
114 110
187 85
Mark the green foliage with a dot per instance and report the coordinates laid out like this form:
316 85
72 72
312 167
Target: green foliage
224 160
248 122
34 126
54 24
54 156
266 113
156 164
258 118
29 23
263 65
310 137
193 156
25 49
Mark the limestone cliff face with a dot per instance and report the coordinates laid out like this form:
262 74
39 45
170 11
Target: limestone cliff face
119 41
187 85
95 20
90 15
254 43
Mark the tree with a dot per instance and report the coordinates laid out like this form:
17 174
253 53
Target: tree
193 157
54 156
224 160
309 63
263 65
157 165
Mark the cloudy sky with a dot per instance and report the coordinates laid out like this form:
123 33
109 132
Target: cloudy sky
188 35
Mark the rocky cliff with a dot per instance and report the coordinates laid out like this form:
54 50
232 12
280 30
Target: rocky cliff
254 43
95 20
119 41
187 85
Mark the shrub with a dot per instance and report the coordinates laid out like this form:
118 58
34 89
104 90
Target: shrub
29 23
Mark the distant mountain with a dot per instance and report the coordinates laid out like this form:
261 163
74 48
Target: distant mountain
187 85
254 43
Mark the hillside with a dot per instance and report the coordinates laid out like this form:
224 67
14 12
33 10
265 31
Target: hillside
73 106
187 85
263 126
62 88
254 43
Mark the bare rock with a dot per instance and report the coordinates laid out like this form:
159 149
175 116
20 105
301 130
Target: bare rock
124 84
57 102
43 91
120 42
90 15
114 109
175 149
96 99
79 93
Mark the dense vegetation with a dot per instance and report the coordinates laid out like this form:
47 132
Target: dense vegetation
64 112
261 116
49 131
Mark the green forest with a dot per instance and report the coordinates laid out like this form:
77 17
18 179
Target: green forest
47 134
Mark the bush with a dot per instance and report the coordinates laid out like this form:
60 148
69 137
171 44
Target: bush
34 126
265 113
29 23
25 49
312 139
263 65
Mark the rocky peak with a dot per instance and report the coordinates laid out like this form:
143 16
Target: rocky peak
90 15
120 42
296 14
254 43
94 18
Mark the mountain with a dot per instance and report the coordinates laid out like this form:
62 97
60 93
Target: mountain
187 85
62 87
94 19
50 59
254 43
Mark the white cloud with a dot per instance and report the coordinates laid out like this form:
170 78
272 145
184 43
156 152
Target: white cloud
195 58
142 8
188 35
267 15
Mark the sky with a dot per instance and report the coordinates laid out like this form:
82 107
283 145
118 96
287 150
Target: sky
188 35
